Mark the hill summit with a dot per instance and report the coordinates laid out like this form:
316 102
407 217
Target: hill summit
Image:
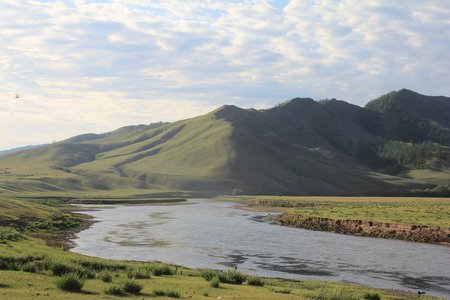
396 143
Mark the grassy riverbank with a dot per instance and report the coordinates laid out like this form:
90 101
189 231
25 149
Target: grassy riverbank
414 219
29 268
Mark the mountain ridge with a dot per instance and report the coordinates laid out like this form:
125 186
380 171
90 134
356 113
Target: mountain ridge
301 146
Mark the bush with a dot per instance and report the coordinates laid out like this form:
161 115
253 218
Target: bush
132 287
8 234
160 293
371 296
98 266
105 277
59 268
172 294
140 273
208 274
17 263
168 293
214 282
30 267
255 280
232 277
160 269
115 290
70 282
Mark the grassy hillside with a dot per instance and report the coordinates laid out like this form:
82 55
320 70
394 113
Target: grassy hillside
398 143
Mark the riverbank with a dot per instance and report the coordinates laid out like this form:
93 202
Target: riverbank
411 219
413 233
126 201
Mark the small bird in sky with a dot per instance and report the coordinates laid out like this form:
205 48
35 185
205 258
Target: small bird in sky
17 96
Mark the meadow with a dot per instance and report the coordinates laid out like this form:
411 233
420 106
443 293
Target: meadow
398 210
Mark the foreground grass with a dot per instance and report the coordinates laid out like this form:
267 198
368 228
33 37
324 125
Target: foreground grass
29 268
398 210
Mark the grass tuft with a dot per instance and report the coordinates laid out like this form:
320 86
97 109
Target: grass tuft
139 273
371 296
215 282
232 277
255 280
159 269
167 293
132 287
115 290
105 277
70 282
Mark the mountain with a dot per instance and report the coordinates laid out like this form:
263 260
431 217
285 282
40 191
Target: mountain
18 149
396 143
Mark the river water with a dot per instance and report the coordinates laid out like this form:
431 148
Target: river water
204 233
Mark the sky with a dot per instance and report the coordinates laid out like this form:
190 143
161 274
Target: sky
94 66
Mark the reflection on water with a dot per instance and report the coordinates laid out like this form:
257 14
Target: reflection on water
211 234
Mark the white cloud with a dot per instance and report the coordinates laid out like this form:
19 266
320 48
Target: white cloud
97 65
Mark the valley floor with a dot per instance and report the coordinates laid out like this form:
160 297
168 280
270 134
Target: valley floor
411 219
29 268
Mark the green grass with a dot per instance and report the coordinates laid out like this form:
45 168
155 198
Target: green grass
412 211
70 282
255 280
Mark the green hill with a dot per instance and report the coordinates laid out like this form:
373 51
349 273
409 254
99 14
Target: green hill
396 143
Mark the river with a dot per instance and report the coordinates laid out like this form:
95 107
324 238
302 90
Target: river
204 233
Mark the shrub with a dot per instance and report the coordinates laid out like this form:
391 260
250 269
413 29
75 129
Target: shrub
208 274
16 263
168 293
70 282
30 267
132 287
255 280
214 282
172 294
232 277
59 268
371 296
205 294
160 269
115 290
98 266
8 234
140 273
160 293
105 277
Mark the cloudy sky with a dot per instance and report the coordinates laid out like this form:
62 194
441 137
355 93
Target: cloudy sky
93 66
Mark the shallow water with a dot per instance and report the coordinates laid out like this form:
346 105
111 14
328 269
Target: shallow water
212 234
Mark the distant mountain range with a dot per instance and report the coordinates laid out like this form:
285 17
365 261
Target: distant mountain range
18 149
397 143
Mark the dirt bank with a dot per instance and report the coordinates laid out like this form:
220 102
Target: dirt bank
414 233
64 238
